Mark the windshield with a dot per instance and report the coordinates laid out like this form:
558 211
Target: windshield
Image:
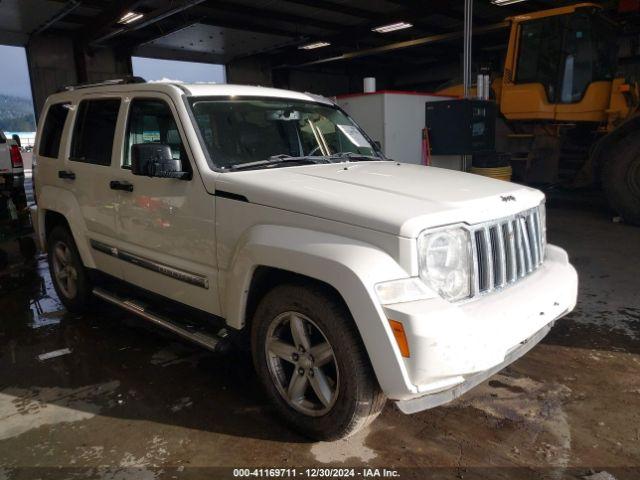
242 131
567 53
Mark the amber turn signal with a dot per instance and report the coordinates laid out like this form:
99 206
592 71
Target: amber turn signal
401 338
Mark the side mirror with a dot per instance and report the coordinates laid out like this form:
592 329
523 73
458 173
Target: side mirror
155 160
378 145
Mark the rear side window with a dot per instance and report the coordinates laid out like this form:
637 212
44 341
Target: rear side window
52 130
94 131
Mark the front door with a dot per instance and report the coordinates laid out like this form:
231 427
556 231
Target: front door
165 226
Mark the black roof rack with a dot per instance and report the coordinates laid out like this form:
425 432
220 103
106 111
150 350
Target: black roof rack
115 81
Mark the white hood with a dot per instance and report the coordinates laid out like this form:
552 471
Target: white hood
400 199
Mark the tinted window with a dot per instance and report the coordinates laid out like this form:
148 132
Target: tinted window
52 130
94 131
151 121
566 54
589 54
539 54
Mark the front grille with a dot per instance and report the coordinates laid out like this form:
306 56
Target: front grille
507 250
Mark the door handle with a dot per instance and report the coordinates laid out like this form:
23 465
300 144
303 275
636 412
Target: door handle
118 185
66 174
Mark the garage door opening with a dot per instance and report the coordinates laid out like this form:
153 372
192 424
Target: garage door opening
16 103
155 70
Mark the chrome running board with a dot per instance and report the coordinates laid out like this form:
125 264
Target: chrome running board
215 343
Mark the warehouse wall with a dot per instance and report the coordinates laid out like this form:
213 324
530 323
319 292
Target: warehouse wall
322 83
344 78
54 62
250 71
51 66
106 63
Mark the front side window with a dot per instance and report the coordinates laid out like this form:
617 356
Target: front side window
246 130
566 53
94 131
52 130
539 54
589 54
151 121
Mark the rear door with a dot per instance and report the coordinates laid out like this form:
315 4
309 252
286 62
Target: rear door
166 226
87 172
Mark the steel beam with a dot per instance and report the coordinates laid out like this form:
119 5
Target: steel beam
150 19
69 7
417 42
467 51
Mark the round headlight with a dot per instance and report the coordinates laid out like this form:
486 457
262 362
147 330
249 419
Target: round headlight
445 262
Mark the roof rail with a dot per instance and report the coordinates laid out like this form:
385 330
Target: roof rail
116 81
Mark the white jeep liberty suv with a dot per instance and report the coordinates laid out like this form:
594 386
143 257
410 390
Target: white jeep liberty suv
226 212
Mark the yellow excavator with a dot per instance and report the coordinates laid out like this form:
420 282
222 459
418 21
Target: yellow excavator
566 115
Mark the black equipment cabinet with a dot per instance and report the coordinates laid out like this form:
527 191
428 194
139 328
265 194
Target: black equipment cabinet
461 127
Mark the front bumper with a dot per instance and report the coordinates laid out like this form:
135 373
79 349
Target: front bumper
454 347
436 399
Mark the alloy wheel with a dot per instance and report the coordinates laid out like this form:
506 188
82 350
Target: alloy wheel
64 271
302 363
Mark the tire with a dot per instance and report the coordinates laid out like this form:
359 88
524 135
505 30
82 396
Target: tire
65 266
353 398
621 179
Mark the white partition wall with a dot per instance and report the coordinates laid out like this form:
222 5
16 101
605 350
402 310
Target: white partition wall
396 119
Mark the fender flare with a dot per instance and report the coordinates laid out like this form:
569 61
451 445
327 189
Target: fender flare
63 202
345 264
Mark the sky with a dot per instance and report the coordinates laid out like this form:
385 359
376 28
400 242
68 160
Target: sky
14 79
188 72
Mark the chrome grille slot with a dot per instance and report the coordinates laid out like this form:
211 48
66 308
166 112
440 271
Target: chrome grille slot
499 263
522 265
512 256
506 250
483 261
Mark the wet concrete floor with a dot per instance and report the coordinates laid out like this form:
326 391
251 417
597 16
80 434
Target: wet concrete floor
126 401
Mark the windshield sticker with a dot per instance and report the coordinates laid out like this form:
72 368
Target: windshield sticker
354 135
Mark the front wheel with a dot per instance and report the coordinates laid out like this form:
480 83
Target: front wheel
312 363
621 179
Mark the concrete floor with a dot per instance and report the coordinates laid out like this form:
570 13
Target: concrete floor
129 402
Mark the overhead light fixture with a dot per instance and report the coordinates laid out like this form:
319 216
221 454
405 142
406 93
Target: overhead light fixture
311 46
501 3
392 27
130 17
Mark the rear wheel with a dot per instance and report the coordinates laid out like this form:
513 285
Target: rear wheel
621 179
312 363
70 278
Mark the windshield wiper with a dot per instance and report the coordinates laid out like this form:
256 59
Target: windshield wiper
278 159
354 157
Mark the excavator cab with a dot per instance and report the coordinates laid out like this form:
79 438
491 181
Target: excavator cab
560 65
